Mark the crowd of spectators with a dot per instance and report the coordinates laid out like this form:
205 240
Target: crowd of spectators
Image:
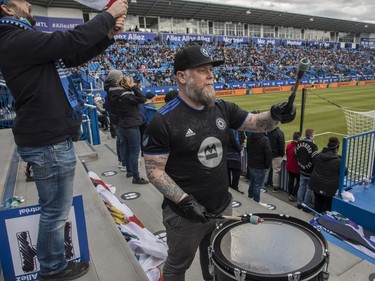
152 63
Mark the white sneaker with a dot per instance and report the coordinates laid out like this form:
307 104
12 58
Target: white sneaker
123 169
119 165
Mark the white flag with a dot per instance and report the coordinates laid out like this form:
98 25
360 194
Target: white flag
97 4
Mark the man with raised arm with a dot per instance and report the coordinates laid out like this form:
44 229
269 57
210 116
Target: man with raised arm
35 67
184 151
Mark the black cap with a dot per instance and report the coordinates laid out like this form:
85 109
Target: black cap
193 56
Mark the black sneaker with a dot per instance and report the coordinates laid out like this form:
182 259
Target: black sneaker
236 189
72 271
140 181
129 175
299 206
275 189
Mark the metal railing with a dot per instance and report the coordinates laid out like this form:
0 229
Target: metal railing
89 127
358 157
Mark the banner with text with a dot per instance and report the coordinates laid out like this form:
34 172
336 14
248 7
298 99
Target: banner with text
137 37
48 24
289 42
233 39
183 38
368 43
18 238
266 41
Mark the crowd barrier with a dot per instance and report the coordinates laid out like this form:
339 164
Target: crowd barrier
358 157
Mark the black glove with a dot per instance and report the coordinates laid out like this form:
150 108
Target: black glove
283 112
192 209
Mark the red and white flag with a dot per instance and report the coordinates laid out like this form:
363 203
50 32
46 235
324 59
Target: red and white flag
97 4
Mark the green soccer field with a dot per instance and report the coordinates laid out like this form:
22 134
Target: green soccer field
327 119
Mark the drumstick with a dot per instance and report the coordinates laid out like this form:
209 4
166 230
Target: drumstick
311 209
245 218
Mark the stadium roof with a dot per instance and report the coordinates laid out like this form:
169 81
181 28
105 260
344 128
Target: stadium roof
226 13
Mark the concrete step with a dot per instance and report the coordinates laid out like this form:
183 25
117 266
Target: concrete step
111 258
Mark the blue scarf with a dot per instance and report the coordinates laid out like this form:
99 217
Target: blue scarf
76 103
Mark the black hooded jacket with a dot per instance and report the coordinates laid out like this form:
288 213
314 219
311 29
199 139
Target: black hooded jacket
326 172
27 62
125 104
259 154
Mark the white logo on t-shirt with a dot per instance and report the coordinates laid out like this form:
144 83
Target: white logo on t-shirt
210 152
189 133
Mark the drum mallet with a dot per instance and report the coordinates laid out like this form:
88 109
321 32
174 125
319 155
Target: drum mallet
303 66
245 218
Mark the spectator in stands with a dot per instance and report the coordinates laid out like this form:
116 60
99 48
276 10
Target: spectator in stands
102 113
235 145
172 94
305 151
259 160
49 113
292 167
115 110
324 180
184 150
126 99
277 142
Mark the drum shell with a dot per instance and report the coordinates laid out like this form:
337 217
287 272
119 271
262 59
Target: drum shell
224 262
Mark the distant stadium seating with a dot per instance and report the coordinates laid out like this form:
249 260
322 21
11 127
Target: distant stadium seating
153 63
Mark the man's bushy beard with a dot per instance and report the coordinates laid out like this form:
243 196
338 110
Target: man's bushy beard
203 96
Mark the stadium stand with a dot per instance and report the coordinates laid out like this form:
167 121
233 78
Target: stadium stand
150 62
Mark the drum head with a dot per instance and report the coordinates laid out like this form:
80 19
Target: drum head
275 248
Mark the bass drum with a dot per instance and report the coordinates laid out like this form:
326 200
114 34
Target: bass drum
279 248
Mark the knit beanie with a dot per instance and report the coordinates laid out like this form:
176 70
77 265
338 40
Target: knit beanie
114 76
333 143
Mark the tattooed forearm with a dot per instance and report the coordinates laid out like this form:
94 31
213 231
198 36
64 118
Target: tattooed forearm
259 123
155 169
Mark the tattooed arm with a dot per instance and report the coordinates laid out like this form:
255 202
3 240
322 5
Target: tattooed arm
261 122
155 169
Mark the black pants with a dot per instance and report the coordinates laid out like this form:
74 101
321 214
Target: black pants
293 183
234 177
322 203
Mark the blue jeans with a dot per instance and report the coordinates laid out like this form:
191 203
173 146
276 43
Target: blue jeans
257 177
132 140
304 194
120 145
54 168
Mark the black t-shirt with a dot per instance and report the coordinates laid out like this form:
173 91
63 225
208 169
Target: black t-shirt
196 141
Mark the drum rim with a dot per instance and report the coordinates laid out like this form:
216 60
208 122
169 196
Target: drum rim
310 269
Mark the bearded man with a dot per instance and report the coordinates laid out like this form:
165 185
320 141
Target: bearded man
184 151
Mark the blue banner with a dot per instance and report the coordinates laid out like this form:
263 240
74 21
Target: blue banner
18 237
290 42
48 24
266 41
325 44
232 39
179 38
137 36
266 83
368 43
